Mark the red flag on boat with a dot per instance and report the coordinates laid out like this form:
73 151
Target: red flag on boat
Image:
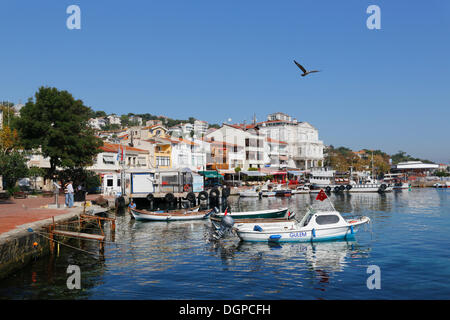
289 214
321 196
225 212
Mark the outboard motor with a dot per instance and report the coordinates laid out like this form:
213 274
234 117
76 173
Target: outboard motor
226 224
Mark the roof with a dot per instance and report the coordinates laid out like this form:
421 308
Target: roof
222 143
113 148
415 165
270 140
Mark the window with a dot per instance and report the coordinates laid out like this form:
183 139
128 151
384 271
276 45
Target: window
109 182
327 219
118 182
108 159
162 161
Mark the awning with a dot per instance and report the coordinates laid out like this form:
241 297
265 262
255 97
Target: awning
284 158
254 173
296 173
210 174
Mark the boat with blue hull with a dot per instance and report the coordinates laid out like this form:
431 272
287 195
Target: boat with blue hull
315 226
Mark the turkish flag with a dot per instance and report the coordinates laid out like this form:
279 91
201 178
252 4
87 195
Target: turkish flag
226 211
321 196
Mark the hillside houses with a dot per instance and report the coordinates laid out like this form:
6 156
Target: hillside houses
280 142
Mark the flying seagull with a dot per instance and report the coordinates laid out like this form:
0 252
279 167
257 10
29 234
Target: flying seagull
304 70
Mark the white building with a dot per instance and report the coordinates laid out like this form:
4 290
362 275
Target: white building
305 150
200 128
189 153
113 119
276 153
97 123
135 120
250 141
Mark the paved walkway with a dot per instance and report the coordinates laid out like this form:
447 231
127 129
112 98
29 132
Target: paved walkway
15 212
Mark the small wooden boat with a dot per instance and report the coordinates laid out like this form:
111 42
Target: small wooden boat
270 213
179 215
315 226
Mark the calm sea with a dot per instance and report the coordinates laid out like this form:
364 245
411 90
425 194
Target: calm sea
408 240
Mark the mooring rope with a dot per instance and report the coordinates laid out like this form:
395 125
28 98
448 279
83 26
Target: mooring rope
72 247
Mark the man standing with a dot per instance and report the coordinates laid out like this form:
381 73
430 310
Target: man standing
70 194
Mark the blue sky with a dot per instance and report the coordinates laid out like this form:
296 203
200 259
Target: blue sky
383 89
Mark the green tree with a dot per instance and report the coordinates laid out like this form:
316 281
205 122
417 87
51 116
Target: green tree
57 123
13 166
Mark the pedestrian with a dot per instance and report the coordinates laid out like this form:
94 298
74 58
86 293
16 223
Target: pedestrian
70 194
66 195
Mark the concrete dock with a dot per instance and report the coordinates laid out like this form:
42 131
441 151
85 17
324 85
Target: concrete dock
19 218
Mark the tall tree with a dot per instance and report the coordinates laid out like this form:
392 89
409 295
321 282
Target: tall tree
57 123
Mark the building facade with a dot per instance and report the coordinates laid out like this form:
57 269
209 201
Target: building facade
304 149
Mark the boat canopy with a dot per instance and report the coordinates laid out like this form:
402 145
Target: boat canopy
254 173
210 174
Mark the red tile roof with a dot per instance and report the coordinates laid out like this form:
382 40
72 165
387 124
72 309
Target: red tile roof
270 140
112 147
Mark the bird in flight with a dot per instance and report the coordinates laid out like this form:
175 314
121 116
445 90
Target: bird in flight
304 70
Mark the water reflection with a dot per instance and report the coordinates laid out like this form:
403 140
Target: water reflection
177 260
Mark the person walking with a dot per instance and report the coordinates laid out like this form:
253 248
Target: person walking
70 194
66 195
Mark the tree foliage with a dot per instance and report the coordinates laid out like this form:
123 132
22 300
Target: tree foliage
13 166
57 123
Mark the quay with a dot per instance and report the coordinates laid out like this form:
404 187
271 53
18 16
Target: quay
23 223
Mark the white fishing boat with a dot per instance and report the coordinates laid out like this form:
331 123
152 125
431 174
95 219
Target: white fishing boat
316 225
179 215
401 185
301 190
254 192
267 193
369 185
442 185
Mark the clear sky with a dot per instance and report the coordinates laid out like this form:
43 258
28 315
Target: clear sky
383 89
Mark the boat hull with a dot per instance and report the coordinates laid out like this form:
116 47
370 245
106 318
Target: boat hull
274 213
298 235
143 215
287 232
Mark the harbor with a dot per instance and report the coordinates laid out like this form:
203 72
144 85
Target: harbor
179 260
224 155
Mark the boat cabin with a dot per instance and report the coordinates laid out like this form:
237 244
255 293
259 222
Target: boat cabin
321 219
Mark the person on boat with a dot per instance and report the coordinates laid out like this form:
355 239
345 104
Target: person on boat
132 205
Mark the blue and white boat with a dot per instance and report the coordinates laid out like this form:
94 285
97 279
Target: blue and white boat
314 226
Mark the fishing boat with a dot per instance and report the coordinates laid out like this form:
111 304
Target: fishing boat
267 193
268 213
215 220
254 192
316 225
282 192
301 190
179 215
401 185
442 185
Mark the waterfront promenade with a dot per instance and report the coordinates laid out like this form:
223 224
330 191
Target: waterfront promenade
17 212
